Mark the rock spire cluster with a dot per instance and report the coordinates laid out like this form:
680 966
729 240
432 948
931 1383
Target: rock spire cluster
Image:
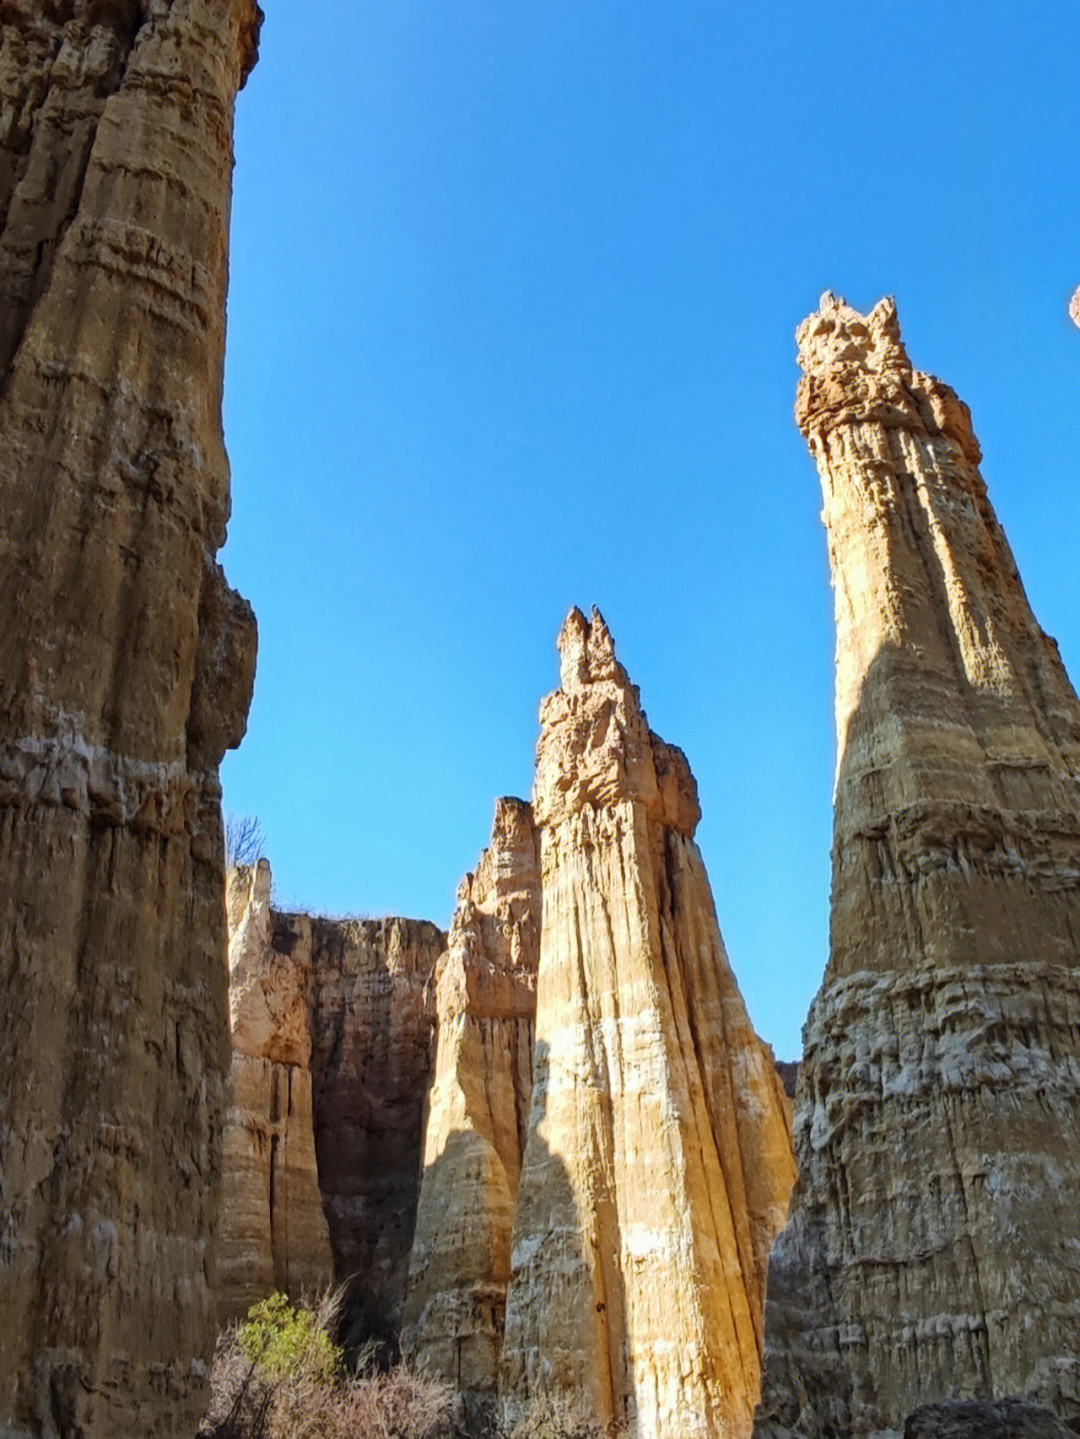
126 666
932 1248
658 1161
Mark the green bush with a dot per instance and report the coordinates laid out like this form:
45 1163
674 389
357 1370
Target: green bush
287 1343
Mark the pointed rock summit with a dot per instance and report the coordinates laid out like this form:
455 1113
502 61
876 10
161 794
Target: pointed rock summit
478 1112
932 1250
658 1162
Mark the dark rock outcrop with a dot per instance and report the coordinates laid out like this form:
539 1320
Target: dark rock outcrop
980 1419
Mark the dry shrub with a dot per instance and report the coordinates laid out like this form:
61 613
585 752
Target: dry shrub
552 1417
275 1378
398 1405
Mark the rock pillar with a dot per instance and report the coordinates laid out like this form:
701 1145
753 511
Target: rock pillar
478 1110
658 1162
932 1250
126 666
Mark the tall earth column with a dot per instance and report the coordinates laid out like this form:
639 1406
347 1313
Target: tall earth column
934 1246
477 1113
658 1162
126 666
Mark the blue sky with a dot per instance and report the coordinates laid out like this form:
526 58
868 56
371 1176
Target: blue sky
514 289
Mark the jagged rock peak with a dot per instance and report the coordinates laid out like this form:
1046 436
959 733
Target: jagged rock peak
511 853
856 365
595 744
837 334
658 1162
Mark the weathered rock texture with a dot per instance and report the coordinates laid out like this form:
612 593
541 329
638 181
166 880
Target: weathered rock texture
980 1419
125 672
371 1066
478 1111
658 1163
332 1045
934 1246
273 1232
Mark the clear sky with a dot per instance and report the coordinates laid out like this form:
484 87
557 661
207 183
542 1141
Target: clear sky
514 288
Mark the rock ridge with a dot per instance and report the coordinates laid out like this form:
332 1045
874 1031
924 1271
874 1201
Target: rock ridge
331 1061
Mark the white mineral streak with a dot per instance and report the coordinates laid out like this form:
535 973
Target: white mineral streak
934 1245
658 1163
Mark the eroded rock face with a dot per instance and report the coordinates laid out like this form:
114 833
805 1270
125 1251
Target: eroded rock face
371 1067
273 1232
932 1248
658 1162
126 667
980 1419
478 1110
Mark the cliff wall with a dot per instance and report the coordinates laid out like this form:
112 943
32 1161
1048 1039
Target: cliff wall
332 1042
273 1232
126 667
658 1161
932 1250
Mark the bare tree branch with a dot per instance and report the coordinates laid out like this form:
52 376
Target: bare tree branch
245 842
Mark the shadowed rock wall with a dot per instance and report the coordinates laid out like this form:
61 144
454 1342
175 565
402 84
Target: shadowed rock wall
126 667
932 1250
658 1162
332 1039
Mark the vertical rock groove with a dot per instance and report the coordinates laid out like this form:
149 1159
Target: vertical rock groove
658 1162
126 666
932 1249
